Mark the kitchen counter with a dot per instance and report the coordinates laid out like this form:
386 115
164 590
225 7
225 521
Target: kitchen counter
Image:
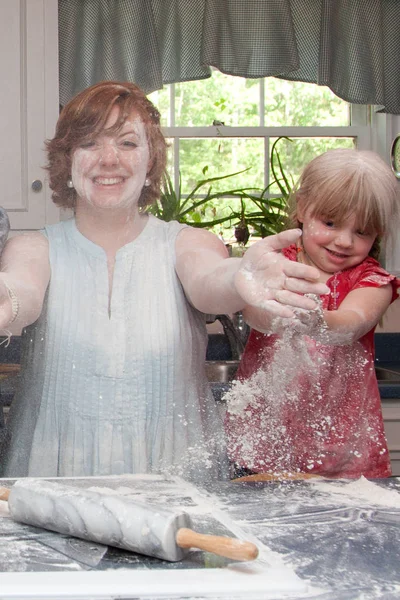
323 539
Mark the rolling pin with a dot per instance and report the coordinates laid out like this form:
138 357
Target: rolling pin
115 521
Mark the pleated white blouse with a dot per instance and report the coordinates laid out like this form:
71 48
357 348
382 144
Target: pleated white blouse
106 392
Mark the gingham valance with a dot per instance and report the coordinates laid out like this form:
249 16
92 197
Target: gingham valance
352 46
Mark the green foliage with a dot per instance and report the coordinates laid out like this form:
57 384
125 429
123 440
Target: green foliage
207 201
256 210
172 205
271 214
235 101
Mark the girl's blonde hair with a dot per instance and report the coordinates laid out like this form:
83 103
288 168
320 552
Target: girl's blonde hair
345 182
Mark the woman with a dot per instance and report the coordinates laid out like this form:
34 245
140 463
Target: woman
113 374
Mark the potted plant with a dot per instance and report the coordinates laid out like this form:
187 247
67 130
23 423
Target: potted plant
271 213
263 214
172 205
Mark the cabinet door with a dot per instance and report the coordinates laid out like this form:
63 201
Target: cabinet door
29 108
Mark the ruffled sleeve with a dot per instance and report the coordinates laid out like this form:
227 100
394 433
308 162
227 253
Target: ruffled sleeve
370 274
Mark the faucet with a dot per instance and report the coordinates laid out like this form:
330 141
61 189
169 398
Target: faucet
236 330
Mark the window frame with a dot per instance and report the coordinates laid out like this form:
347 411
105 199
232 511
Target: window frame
360 130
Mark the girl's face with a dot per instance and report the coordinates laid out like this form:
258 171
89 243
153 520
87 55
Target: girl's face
109 171
332 247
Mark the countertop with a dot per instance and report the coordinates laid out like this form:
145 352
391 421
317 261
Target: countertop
323 539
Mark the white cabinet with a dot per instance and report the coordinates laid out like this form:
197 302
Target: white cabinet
29 108
391 417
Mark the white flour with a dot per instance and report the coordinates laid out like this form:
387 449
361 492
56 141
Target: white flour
360 490
171 496
255 405
297 411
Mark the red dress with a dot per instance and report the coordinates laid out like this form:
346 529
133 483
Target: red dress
320 408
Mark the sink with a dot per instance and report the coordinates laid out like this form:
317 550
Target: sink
221 371
383 374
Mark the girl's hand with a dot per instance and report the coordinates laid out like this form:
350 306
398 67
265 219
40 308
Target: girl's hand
269 281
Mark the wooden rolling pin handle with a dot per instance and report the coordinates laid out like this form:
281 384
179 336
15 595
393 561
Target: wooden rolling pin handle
223 546
4 493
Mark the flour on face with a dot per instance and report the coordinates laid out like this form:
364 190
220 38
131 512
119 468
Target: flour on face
110 170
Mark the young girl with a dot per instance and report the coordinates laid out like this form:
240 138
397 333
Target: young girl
307 398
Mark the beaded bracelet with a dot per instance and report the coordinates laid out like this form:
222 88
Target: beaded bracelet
14 302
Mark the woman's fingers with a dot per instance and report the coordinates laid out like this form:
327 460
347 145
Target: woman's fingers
273 284
295 300
304 286
300 270
281 240
266 279
276 309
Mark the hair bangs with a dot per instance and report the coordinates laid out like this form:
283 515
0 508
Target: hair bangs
339 207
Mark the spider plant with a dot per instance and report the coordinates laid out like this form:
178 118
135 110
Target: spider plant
271 213
172 205
265 215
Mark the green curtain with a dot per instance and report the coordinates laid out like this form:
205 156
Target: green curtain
351 46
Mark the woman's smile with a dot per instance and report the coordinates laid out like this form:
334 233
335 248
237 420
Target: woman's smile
110 170
108 181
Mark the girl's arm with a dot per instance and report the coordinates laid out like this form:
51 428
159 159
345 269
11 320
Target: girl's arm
215 283
24 277
359 312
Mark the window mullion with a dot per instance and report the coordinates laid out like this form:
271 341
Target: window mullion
175 137
262 102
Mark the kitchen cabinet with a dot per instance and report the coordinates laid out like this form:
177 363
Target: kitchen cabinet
29 108
391 418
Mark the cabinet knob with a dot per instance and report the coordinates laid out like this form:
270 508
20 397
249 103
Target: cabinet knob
37 185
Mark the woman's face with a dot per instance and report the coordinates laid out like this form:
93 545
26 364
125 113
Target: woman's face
109 171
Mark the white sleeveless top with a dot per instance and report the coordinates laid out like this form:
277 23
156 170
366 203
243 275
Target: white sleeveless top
121 392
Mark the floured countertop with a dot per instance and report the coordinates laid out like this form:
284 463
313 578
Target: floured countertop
341 535
325 539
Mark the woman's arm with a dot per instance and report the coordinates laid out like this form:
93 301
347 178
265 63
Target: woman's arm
215 283
24 276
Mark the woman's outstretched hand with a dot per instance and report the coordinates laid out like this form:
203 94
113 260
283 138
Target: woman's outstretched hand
269 281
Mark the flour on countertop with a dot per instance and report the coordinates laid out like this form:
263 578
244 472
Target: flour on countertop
171 496
360 490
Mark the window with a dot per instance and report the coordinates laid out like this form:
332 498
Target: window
224 125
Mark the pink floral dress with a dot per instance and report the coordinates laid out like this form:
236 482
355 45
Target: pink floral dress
320 410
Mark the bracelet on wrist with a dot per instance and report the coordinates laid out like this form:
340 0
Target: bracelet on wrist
14 302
